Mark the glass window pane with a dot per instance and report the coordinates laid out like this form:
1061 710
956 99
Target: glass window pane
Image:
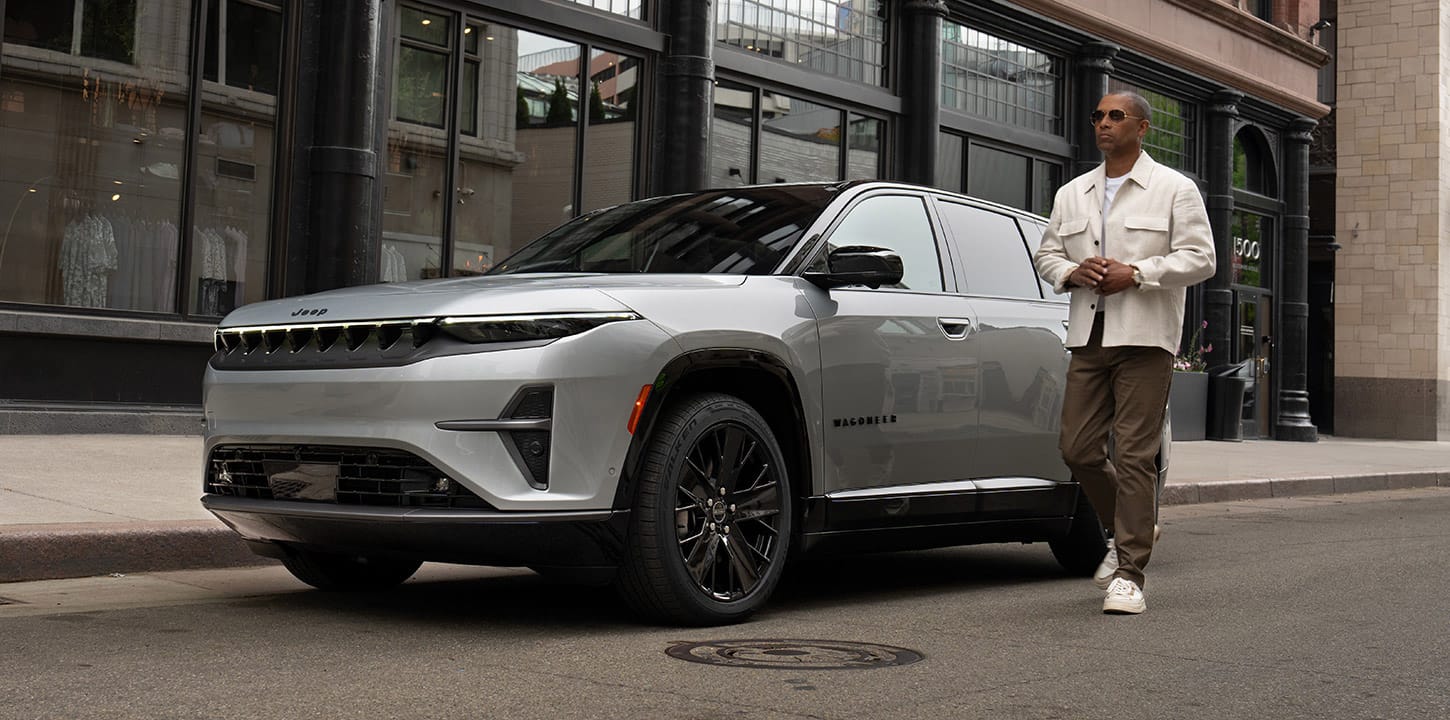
235 149
1046 179
993 255
1253 244
40 23
108 30
516 180
1170 138
998 176
422 86
898 223
254 47
471 37
90 188
468 99
1032 231
633 9
800 141
609 156
863 147
1000 80
425 27
731 133
845 38
949 155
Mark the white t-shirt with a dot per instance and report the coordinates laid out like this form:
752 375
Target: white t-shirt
1110 191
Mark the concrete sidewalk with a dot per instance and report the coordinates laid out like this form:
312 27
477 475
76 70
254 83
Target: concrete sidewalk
77 505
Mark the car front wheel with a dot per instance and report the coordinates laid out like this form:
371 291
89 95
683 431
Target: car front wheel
711 521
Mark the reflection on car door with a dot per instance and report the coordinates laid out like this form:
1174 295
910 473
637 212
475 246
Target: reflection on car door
899 392
1019 345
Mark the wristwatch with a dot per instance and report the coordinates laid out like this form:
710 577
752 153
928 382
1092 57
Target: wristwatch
1137 276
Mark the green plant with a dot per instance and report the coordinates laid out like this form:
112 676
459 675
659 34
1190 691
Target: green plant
1192 360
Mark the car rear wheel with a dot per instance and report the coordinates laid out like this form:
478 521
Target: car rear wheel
711 524
328 571
1086 543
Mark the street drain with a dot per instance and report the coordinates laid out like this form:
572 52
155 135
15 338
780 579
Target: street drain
793 654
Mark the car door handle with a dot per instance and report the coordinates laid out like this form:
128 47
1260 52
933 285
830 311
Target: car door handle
955 328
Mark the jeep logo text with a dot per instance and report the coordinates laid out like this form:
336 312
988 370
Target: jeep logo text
310 311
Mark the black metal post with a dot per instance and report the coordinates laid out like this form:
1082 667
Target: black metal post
1294 422
920 126
1219 169
1094 66
343 159
687 92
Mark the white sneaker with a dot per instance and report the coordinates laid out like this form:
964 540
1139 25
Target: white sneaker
1124 598
1104 574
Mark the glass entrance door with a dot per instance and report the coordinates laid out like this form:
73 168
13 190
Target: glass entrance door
1254 345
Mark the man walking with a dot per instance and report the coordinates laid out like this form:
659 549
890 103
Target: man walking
1126 239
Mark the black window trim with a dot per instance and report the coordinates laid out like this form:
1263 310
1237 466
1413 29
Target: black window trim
947 270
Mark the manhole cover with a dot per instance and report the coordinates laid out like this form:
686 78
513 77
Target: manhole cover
793 654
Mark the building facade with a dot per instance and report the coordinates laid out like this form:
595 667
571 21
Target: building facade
165 161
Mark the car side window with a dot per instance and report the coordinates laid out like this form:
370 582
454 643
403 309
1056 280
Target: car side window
1032 232
900 224
993 254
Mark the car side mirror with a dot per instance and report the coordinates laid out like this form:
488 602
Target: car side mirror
858 265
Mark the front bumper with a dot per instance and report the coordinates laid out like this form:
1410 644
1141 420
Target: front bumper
591 538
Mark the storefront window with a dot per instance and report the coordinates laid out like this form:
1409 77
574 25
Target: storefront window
1253 239
863 147
633 9
543 184
845 38
999 80
235 151
1171 132
732 135
800 141
415 193
609 155
93 119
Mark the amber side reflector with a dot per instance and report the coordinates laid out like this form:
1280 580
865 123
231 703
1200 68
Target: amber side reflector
638 407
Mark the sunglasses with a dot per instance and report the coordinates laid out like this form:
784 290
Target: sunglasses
1116 116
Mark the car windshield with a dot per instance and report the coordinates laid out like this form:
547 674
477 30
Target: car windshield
742 231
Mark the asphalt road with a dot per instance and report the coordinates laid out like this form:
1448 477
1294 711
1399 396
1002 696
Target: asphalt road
1329 607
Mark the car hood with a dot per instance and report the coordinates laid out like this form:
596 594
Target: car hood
491 295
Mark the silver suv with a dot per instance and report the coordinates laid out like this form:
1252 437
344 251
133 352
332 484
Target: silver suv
674 395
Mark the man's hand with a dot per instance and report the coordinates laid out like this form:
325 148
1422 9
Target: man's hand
1105 276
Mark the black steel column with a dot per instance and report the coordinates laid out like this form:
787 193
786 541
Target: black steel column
344 221
1094 66
919 130
687 92
1294 421
1218 297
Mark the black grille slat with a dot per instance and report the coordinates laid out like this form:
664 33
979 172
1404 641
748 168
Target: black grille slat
366 477
374 343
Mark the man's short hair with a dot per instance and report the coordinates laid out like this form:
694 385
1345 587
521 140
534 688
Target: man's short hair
1141 108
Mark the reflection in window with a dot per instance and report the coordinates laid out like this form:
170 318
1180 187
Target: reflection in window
107 28
998 176
799 141
863 147
90 187
421 84
898 223
1170 138
1252 245
247 53
1000 80
609 155
844 38
543 185
633 9
415 198
1253 166
950 153
235 147
731 136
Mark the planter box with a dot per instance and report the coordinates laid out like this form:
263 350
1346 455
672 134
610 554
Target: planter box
1188 405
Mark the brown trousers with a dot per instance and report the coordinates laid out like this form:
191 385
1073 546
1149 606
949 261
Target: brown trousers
1125 389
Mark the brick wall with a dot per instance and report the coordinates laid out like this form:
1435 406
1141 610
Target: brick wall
1392 294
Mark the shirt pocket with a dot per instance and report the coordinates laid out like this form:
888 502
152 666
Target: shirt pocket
1145 236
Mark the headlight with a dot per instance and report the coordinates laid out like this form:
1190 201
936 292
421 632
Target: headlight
518 328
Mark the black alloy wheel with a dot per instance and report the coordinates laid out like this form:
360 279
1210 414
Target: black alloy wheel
712 516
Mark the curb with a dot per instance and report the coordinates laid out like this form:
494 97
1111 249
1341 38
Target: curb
1231 490
52 552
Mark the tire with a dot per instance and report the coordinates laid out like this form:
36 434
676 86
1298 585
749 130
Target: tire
712 517
1083 548
341 573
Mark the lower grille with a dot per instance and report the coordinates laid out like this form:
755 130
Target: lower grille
338 475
